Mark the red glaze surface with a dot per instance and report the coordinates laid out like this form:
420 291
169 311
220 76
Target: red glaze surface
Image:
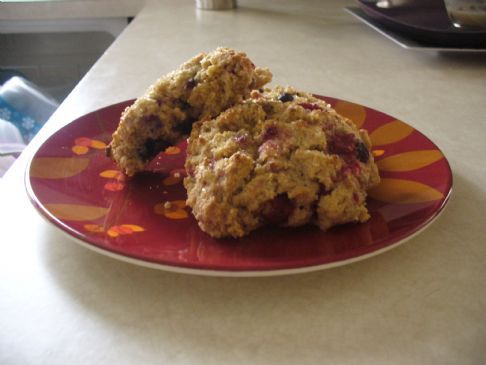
72 183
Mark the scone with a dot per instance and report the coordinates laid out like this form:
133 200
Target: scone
282 157
201 88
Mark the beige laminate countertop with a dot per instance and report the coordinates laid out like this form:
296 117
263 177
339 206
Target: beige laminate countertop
421 303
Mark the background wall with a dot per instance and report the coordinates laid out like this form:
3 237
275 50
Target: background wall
53 61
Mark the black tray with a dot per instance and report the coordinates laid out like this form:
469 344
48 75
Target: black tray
425 21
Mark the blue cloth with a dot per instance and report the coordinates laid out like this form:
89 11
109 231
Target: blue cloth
27 126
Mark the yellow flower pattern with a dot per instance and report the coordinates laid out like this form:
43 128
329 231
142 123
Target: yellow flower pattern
395 190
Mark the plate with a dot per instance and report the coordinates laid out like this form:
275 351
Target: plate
425 21
404 41
145 221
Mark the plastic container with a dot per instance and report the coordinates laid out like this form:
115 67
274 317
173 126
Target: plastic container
11 145
25 105
216 4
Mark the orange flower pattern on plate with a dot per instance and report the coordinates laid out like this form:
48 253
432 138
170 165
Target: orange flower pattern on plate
176 176
378 153
172 150
76 212
355 112
57 167
390 133
114 231
83 144
116 185
408 161
402 191
172 209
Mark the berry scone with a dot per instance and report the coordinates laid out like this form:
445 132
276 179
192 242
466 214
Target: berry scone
281 157
201 88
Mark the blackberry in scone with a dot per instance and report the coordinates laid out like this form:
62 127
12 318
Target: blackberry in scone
201 88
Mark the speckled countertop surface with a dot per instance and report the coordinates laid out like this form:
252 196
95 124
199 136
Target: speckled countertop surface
421 303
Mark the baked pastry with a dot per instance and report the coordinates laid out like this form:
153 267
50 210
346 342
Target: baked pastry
282 157
201 88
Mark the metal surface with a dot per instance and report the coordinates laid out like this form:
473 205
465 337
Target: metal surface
216 4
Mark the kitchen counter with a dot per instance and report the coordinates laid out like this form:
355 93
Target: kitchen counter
423 302
67 16
68 9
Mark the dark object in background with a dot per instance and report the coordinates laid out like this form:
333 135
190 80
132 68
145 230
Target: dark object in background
425 21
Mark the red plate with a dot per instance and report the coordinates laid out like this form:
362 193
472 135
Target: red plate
79 190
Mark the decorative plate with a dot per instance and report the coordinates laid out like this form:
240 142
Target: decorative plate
80 191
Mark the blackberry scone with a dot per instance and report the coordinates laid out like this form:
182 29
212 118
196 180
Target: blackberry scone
199 89
281 157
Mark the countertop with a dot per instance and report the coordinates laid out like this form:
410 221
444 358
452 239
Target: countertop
68 9
423 302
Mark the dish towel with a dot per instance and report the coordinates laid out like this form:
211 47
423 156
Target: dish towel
27 126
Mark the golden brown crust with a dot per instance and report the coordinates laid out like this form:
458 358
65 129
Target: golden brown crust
282 157
200 88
